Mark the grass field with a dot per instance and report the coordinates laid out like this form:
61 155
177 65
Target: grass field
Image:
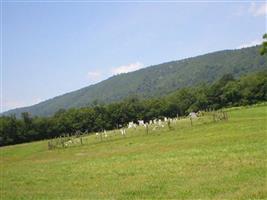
210 160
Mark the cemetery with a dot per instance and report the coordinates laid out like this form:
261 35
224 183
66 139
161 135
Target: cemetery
132 129
129 100
166 159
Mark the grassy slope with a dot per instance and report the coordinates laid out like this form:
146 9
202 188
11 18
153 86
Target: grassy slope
223 160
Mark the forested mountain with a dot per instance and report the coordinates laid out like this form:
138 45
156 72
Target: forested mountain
157 80
226 92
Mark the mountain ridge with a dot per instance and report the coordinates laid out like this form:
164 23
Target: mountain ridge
155 80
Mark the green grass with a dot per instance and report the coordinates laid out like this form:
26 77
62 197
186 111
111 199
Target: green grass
222 160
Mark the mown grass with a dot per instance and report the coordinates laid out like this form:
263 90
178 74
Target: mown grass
222 160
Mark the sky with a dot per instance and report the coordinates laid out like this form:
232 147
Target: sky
49 48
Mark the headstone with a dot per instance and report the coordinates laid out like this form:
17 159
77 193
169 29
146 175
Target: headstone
193 115
130 125
141 122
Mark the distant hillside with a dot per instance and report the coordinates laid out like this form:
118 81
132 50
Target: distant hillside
157 80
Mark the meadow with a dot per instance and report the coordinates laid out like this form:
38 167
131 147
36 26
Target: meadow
209 160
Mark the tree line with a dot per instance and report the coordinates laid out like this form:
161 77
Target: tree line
226 92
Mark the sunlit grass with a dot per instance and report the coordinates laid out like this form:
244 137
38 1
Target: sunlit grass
221 160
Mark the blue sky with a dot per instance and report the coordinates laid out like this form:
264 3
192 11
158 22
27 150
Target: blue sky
50 48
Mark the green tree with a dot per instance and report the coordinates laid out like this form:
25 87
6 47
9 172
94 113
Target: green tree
263 48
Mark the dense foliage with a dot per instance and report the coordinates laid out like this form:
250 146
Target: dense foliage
263 49
158 80
227 91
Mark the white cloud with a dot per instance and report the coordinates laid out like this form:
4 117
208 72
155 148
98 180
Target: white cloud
258 9
240 11
7 105
127 68
249 44
11 104
94 75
